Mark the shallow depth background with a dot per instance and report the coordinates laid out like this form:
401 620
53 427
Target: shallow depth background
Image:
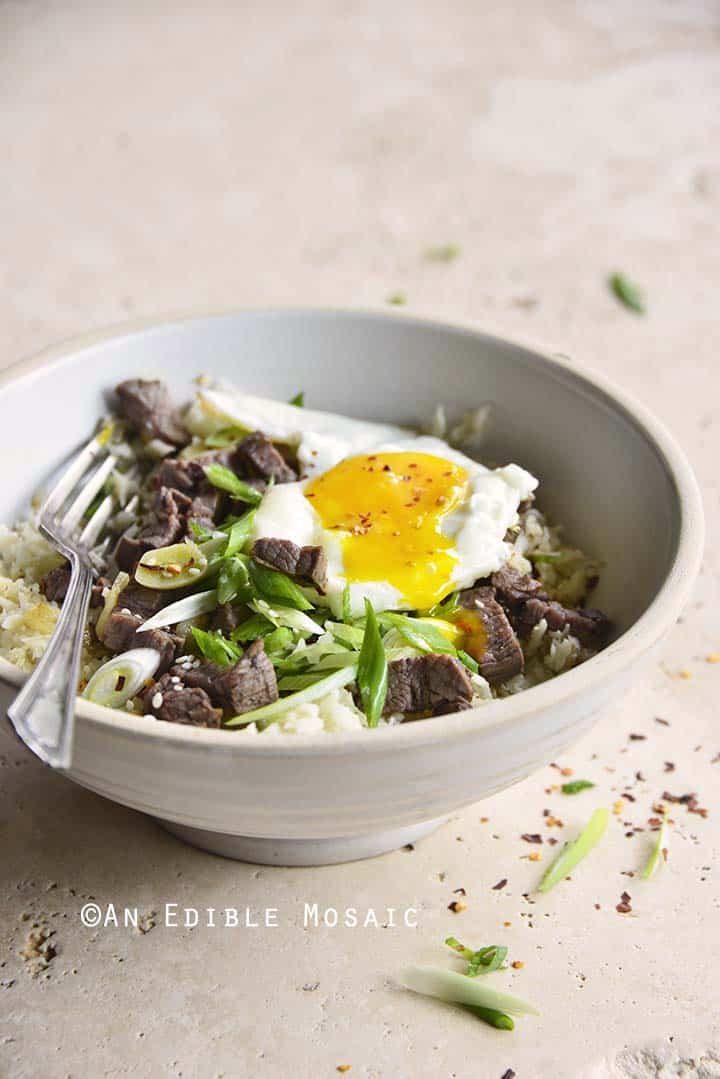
212 155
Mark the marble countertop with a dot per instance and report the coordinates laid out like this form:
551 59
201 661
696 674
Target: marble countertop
203 156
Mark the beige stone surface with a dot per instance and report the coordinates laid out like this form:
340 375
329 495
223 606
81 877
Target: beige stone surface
165 157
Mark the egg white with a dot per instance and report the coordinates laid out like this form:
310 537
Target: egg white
477 526
320 439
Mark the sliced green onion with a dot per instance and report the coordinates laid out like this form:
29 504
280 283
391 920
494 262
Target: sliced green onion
493 1017
346 604
446 607
298 400
421 635
457 988
234 580
122 580
255 626
487 960
270 712
372 676
545 556
199 533
226 436
183 609
277 587
279 641
226 480
627 292
351 636
658 847
470 663
216 648
240 532
122 677
574 852
176 566
291 683
287 616
576 785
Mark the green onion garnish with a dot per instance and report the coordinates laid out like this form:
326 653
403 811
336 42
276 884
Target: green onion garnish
216 648
226 480
627 292
298 400
576 785
372 675
346 605
270 712
234 580
239 534
658 848
276 587
573 853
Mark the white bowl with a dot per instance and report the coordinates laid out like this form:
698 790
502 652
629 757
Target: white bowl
608 470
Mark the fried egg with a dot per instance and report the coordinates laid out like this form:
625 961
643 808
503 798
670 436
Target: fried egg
402 524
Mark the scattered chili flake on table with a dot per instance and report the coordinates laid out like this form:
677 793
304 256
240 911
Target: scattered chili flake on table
637 737
509 1074
664 722
624 907
669 766
714 657
532 837
500 885
688 800
618 807
517 964
566 771
343 1067
535 856
459 891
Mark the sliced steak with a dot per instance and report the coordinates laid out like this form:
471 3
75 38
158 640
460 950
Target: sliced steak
249 684
430 683
54 584
121 634
256 456
147 407
501 656
166 524
513 588
226 618
591 627
176 703
306 565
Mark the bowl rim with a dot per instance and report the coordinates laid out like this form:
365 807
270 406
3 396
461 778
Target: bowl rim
662 611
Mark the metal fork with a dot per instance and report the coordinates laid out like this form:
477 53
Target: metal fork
43 713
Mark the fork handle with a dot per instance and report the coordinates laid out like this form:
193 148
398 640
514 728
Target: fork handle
43 713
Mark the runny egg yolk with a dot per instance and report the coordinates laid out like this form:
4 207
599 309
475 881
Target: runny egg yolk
392 507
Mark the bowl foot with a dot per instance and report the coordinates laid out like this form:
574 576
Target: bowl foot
292 852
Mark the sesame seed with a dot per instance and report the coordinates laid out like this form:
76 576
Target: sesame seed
157 700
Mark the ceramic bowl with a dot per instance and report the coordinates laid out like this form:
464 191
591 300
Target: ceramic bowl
608 470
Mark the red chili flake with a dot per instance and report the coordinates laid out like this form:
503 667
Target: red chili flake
500 885
640 777
665 722
552 841
637 737
459 891
413 464
598 907
669 766
630 797
508 1074
409 846
532 837
716 759
386 468
624 906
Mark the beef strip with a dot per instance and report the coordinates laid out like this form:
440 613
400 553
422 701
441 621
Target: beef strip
166 524
54 586
513 588
147 407
306 565
177 703
189 476
502 657
591 627
134 606
249 684
256 456
429 683
226 618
